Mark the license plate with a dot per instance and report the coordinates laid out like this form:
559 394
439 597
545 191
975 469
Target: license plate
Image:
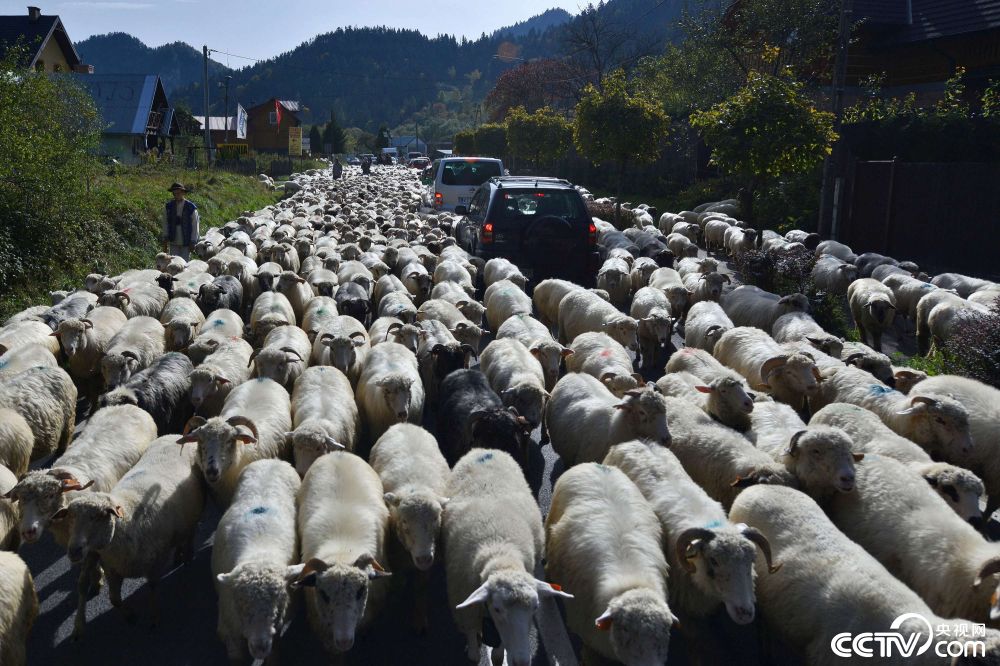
499 237
463 200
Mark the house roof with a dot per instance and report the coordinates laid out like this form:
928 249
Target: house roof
919 20
289 105
125 101
34 35
404 141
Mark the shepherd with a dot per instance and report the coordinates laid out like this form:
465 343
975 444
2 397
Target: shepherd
180 223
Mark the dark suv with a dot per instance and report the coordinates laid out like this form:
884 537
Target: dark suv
540 224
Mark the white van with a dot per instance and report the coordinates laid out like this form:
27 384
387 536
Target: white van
457 178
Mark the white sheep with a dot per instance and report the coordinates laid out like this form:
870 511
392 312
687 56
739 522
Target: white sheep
390 329
739 240
84 341
796 326
344 344
982 404
873 308
722 398
715 234
927 304
614 277
584 419
706 322
448 314
582 311
132 348
270 310
711 559
251 426
906 378
888 508
875 363
703 365
324 416
963 285
907 292
284 356
944 317
642 269
452 271
651 309
342 523
829 586
24 357
681 246
536 336
671 283
214 378
833 275
10 537
16 442
18 609
789 377
547 295
27 332
253 559
600 356
705 286
46 399
619 609
137 299
517 377
501 269
470 307
716 457
414 476
504 299
389 389
752 306
139 527
494 541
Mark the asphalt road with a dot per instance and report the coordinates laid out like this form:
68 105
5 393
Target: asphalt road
186 633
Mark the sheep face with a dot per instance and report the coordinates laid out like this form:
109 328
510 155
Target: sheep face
118 368
881 310
115 299
91 519
472 310
470 334
511 599
260 593
821 459
416 518
309 442
646 411
550 355
875 364
218 444
960 488
338 594
724 568
828 344
39 495
940 423
906 379
729 402
396 393
679 298
378 269
620 384
179 334
639 627
449 358
202 347
215 266
342 349
408 335
205 385
658 326
624 330
641 273
711 285
282 365
72 335
527 399
790 378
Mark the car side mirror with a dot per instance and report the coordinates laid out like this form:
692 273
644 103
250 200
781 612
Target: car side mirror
461 210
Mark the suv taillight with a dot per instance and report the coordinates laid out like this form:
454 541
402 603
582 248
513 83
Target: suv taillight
592 234
486 233
438 199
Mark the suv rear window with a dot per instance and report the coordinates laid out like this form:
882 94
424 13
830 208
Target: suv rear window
534 203
471 172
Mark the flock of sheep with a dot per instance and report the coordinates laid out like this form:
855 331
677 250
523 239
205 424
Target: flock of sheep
287 374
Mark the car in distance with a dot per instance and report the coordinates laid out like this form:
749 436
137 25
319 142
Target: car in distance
540 224
457 178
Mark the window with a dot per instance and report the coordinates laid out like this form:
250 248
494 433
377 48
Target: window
478 202
534 203
469 172
272 117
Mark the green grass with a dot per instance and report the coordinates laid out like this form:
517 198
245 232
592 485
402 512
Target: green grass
933 364
129 206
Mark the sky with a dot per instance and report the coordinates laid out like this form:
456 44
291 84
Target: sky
262 29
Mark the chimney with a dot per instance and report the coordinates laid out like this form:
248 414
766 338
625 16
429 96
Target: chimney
34 13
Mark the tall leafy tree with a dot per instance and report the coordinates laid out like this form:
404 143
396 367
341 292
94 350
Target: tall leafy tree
465 142
315 139
333 134
614 126
382 138
767 130
491 140
532 85
542 137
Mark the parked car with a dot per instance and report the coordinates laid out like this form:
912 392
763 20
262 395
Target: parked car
457 178
413 155
540 224
418 163
354 160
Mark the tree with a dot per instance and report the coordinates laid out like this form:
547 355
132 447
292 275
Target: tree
333 135
315 139
599 44
532 85
542 137
382 138
615 126
465 142
491 140
767 130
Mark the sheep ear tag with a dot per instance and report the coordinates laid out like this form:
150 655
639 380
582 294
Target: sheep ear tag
603 623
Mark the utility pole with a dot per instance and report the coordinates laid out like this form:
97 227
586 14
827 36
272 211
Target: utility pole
416 134
204 85
226 116
829 209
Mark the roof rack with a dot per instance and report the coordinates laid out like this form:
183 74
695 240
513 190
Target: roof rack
500 180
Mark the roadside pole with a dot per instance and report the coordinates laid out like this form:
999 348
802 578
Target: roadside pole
204 85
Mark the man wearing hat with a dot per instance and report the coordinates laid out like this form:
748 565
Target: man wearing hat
180 224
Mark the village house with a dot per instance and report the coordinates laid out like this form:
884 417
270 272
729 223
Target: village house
49 48
268 124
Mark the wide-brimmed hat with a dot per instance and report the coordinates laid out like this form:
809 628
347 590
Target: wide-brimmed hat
177 186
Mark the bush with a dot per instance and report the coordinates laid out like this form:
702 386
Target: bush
974 347
777 273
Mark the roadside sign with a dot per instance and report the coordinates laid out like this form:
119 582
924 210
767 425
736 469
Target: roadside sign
295 141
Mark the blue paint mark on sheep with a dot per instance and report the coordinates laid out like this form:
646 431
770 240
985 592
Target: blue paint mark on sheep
257 510
218 322
879 389
713 525
483 458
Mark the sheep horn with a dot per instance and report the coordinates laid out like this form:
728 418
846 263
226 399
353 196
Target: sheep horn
725 278
252 357
684 542
244 421
356 334
927 400
989 568
754 535
122 294
87 323
771 365
289 350
853 357
326 336
793 443
128 353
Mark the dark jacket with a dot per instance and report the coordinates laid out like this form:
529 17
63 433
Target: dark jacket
189 220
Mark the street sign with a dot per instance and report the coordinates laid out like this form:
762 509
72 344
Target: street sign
295 141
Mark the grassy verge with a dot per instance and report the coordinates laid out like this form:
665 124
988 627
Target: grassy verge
125 224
